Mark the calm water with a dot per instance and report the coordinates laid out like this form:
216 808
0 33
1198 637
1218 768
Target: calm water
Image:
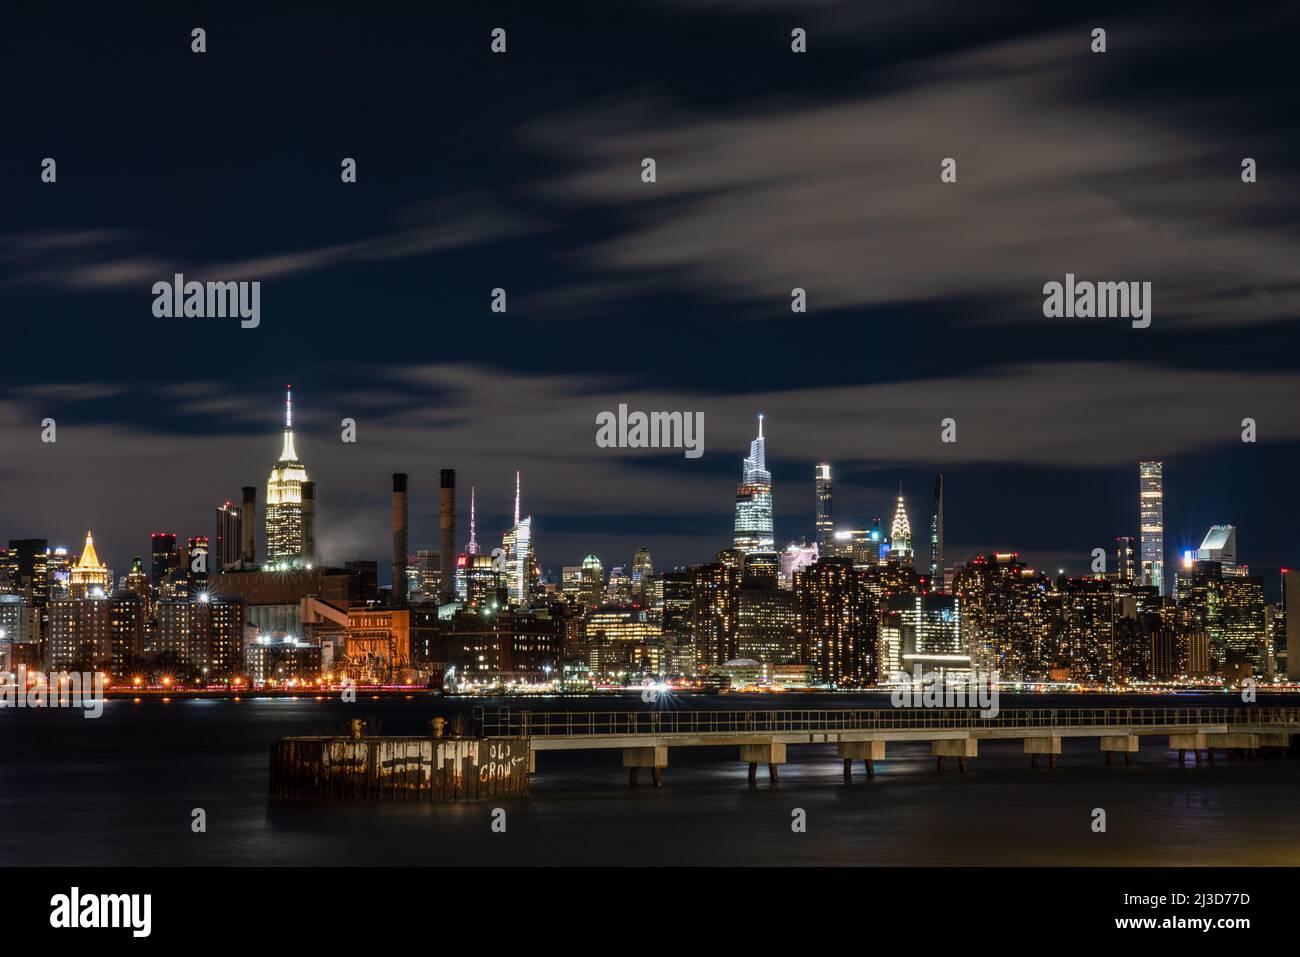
120 790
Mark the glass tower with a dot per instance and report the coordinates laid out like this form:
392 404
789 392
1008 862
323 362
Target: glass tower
754 501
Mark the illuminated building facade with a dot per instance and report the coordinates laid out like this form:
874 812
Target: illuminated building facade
1089 638
643 569
618 591
1241 639
767 625
1007 620
127 613
521 572
835 626
796 558
921 629
714 596
1151 501
591 587
206 634
285 542
81 637
753 526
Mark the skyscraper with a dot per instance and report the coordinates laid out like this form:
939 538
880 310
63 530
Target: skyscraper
165 558
519 556
1124 567
447 533
824 523
1151 501
284 501
89 576
900 533
643 570
229 536
1220 545
753 530
936 536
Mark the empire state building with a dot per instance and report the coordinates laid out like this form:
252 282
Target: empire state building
754 500
290 504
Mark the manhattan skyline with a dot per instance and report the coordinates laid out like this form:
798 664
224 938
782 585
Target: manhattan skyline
798 529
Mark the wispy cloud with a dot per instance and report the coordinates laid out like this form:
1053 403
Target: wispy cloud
845 200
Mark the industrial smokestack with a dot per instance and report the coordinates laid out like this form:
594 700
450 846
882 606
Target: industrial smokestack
447 527
309 523
399 538
248 527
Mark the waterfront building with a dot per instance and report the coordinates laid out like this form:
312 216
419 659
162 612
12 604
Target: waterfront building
1007 622
714 596
835 624
767 624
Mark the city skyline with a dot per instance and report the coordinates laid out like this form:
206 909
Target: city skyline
277 527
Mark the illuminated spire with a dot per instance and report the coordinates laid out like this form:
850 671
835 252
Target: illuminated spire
516 496
88 557
288 453
472 547
900 534
755 471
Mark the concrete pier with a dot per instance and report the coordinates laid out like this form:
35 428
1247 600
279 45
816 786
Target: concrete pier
868 752
959 748
770 754
655 758
1050 746
1182 743
1127 744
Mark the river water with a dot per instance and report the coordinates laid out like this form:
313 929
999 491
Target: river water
122 789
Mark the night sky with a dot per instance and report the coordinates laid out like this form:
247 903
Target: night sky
775 170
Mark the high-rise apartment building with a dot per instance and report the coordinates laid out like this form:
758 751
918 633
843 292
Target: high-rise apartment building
825 524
